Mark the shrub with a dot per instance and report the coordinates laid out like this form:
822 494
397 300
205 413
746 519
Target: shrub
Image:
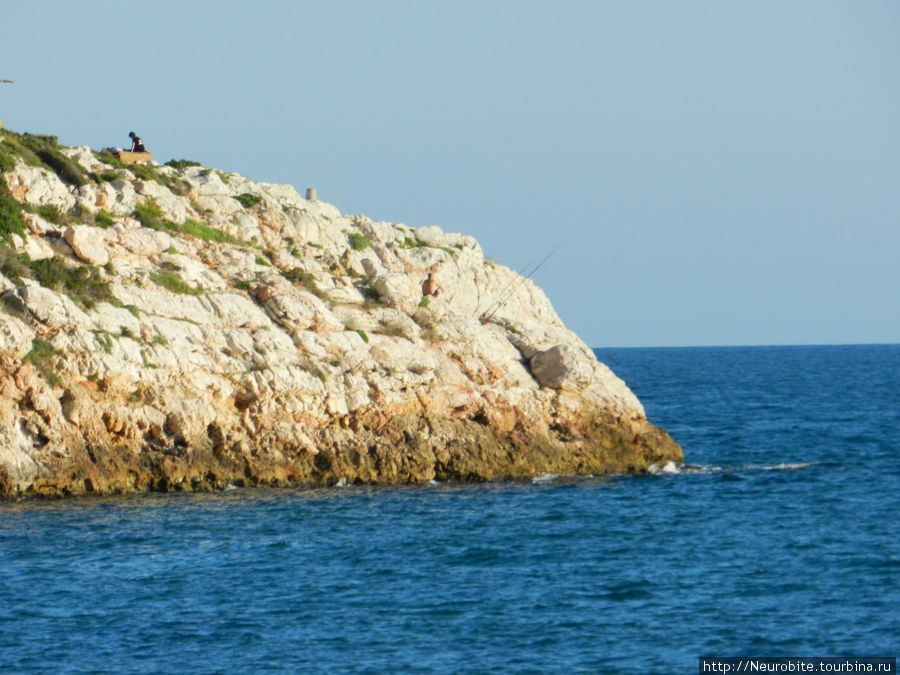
358 242
7 161
40 357
103 219
48 212
247 200
13 266
10 214
83 285
150 215
181 164
44 151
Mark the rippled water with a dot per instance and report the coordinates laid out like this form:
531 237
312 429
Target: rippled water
779 538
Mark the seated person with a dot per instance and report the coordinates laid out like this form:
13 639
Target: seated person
137 145
431 286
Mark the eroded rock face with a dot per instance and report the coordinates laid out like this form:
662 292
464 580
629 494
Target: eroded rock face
292 347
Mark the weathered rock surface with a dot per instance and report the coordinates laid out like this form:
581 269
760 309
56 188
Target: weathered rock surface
294 350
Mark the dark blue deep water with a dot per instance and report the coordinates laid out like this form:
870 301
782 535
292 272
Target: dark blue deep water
780 538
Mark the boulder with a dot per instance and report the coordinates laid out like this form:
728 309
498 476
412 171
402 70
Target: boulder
38 187
562 367
88 243
145 242
53 309
15 337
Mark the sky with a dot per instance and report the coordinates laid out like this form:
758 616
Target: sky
714 172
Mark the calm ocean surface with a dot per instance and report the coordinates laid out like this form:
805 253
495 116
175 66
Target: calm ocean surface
780 539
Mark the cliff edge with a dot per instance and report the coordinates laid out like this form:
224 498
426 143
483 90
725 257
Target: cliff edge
178 328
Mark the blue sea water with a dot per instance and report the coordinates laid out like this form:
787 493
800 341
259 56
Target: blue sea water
779 537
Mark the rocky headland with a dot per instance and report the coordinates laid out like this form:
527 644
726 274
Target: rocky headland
179 328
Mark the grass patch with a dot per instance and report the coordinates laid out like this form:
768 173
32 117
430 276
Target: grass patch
207 233
40 356
171 280
150 215
105 339
305 279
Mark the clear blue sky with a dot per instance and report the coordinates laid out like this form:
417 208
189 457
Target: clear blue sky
720 171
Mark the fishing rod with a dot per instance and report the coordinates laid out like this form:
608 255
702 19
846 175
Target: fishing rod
505 297
511 283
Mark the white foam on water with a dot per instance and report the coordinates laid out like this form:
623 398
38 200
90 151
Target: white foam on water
667 469
544 478
784 466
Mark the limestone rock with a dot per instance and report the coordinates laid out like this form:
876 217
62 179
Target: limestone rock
88 243
53 309
561 367
145 242
287 357
38 187
15 337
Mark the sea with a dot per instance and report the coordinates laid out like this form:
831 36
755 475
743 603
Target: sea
778 537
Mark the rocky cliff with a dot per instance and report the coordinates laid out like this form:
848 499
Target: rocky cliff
178 328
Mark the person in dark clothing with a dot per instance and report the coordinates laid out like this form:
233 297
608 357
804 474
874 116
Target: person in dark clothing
137 145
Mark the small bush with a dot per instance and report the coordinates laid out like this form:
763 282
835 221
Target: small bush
247 200
13 266
83 285
49 212
40 357
41 350
181 164
10 214
7 161
358 242
103 219
150 215
107 176
44 151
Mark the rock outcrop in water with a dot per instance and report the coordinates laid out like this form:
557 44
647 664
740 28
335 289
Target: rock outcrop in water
178 328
